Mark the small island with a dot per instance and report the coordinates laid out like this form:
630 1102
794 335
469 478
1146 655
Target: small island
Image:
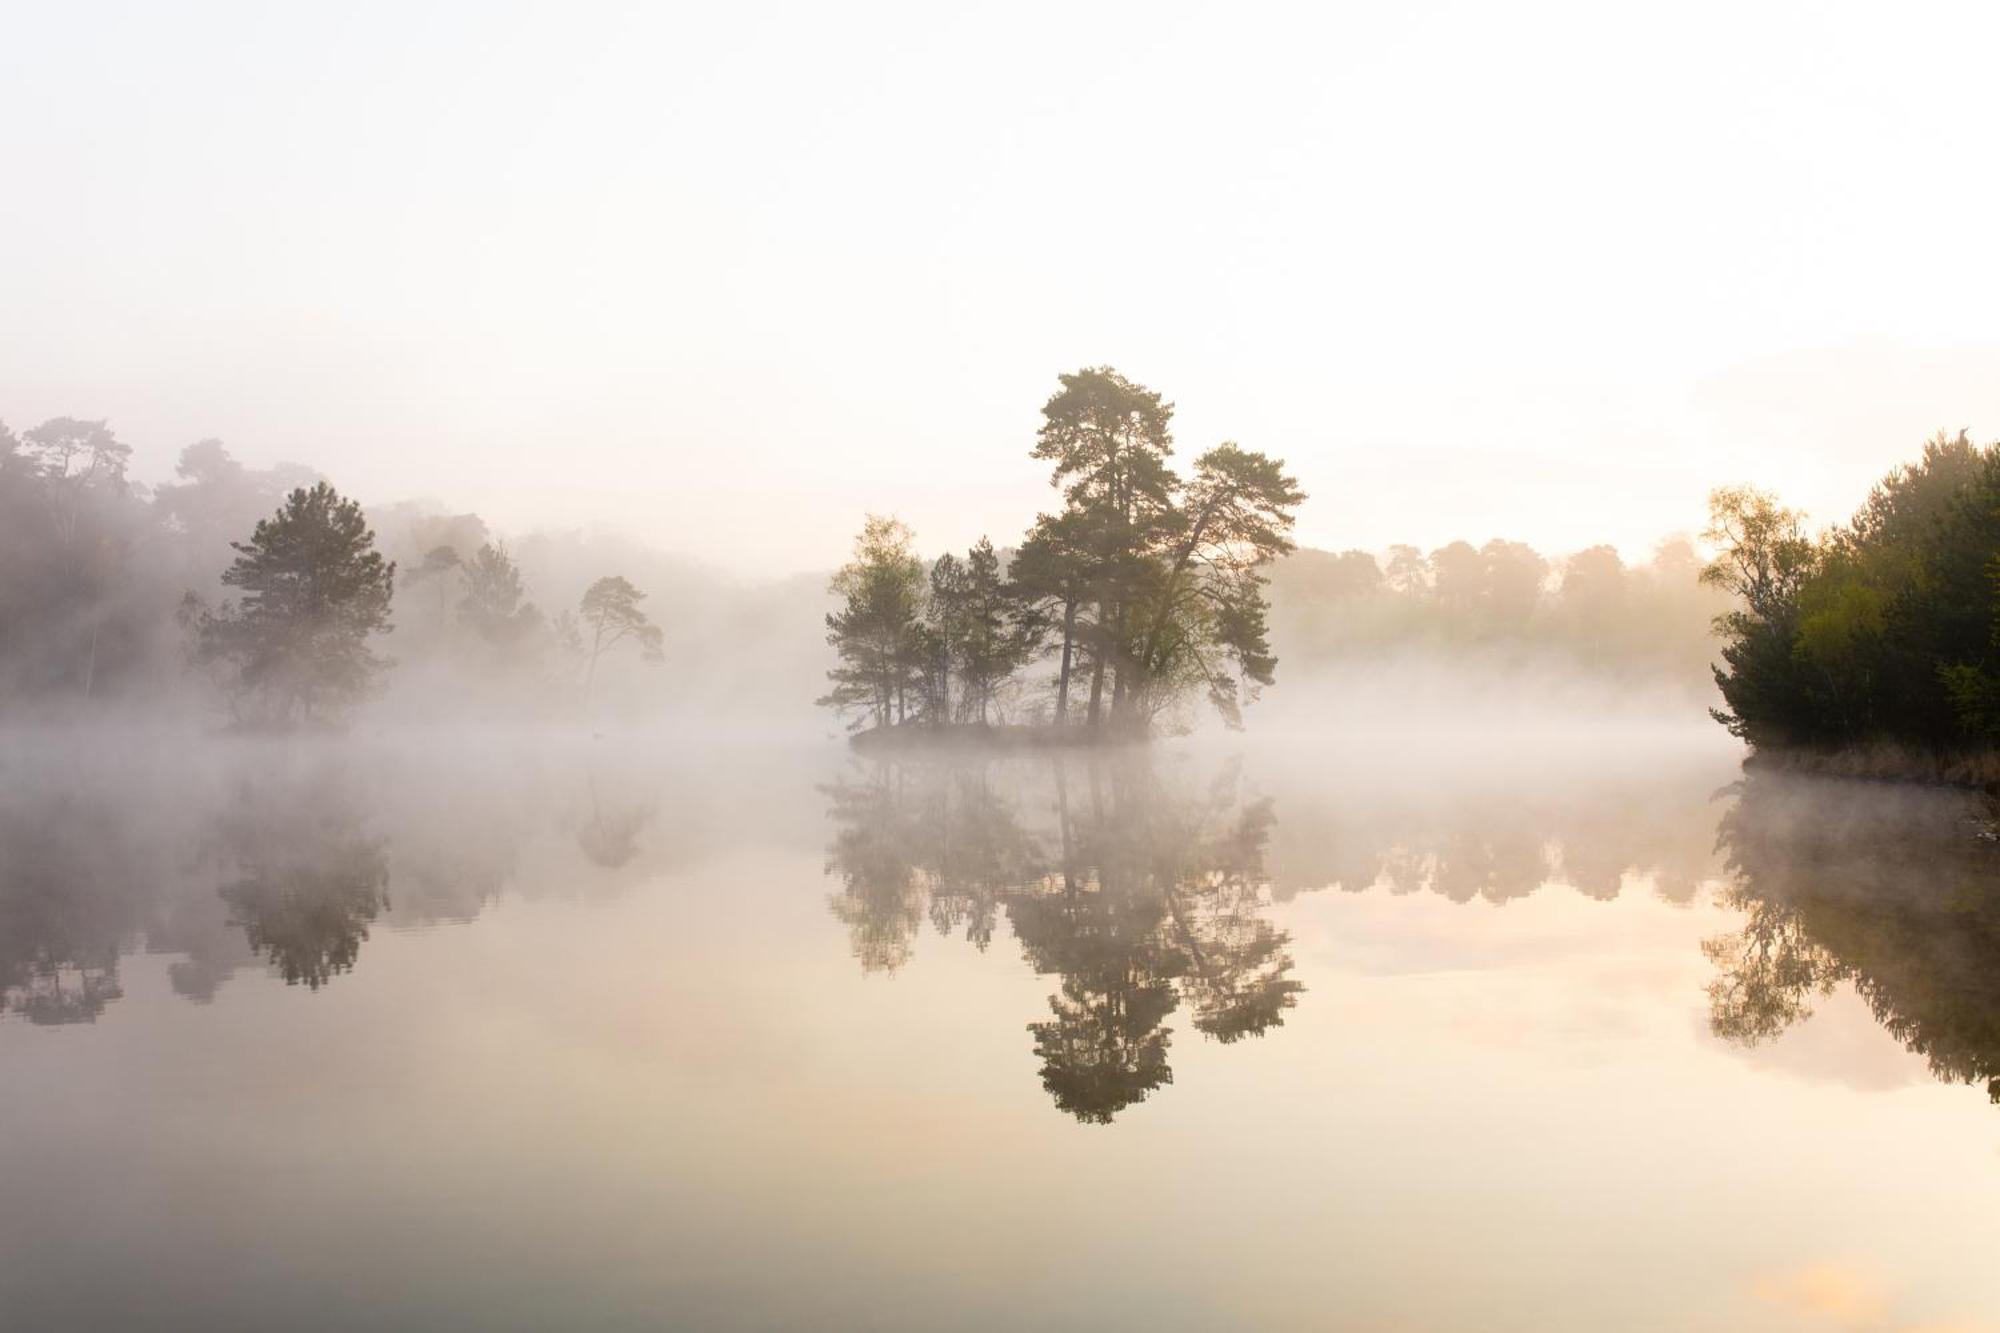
1142 596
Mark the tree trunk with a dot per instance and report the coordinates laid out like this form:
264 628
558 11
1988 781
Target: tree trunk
90 665
1121 673
1097 671
596 649
1062 681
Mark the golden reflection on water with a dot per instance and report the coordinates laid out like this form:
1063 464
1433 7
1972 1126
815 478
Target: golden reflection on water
591 1038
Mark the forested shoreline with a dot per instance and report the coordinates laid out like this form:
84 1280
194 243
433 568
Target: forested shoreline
1875 646
264 597
1142 596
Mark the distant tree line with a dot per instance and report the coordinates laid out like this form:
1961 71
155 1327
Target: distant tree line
268 582
1144 591
1883 629
1646 621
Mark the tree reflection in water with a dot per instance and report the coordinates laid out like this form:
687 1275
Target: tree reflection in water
1138 895
307 880
67 908
288 858
1139 892
1895 890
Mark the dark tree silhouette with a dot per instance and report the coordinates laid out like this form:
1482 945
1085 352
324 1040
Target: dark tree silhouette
610 614
315 593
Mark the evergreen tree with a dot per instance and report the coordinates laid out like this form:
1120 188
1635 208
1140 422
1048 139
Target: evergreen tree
1171 570
610 614
877 631
1051 586
1110 439
315 592
503 624
941 637
437 567
999 635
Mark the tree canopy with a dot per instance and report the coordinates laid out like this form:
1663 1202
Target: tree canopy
315 595
1884 629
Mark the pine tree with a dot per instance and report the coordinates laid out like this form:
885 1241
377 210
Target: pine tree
611 616
878 631
315 591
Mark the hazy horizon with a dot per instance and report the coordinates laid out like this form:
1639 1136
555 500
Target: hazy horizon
723 281
1103 666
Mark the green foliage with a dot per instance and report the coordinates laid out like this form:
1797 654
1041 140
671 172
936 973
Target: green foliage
1170 570
315 592
1051 583
877 631
1148 584
1884 630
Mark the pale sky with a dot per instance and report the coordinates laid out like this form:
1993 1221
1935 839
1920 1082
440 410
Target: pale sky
726 276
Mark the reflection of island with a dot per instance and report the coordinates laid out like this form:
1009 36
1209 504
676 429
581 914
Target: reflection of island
1140 897
1893 889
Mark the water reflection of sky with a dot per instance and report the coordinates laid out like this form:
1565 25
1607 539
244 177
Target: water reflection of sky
585 1036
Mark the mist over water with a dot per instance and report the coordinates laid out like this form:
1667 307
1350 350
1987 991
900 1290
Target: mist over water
658 1013
571 948
900 667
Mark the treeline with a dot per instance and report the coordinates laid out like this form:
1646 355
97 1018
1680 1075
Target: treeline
1883 630
1145 590
268 584
1650 621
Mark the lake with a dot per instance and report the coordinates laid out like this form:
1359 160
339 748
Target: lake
441 1031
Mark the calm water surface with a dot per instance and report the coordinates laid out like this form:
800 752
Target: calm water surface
405 1033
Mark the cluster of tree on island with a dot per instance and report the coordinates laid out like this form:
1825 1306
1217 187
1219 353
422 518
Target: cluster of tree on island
1884 629
1146 588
